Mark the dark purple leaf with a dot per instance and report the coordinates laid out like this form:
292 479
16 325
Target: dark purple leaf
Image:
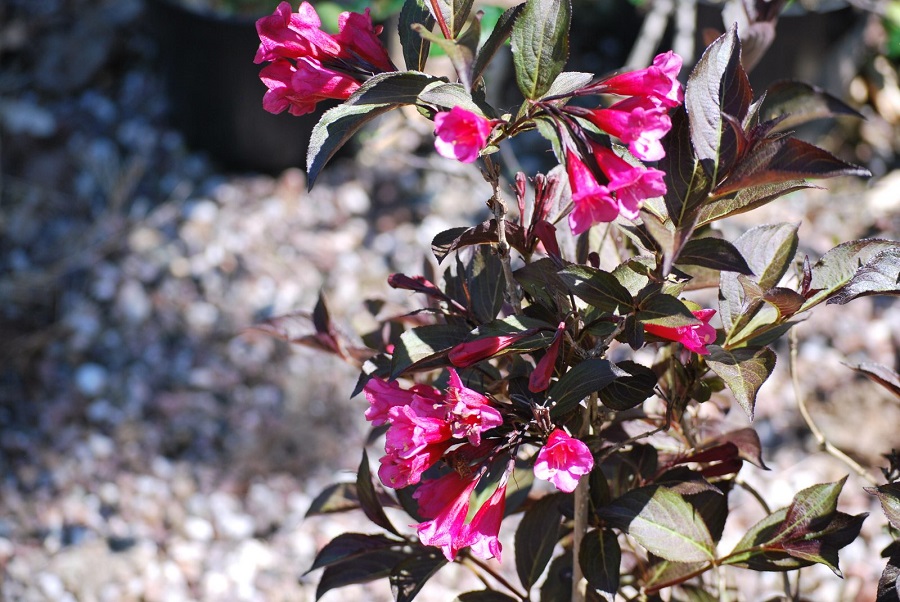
369 566
337 497
597 288
839 265
600 557
425 343
797 103
883 375
631 390
408 576
369 499
889 496
714 253
495 41
744 370
889 584
348 546
879 276
590 376
536 537
415 47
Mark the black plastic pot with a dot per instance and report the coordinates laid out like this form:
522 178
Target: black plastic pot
215 93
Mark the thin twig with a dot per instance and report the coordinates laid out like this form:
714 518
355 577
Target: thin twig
582 494
498 206
822 442
439 17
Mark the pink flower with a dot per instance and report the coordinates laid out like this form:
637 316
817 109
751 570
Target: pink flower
410 433
298 88
658 80
593 201
396 472
630 183
359 40
461 134
563 460
284 34
483 530
447 530
432 495
543 371
472 352
471 412
382 396
640 122
694 337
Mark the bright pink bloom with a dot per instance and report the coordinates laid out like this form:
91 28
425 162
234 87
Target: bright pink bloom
447 530
630 183
471 412
483 530
546 233
593 201
461 134
658 80
432 495
411 433
563 460
640 122
359 40
284 34
298 88
396 472
694 337
382 396
472 352
543 371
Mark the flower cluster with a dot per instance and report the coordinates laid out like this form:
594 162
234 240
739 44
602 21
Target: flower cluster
308 65
428 425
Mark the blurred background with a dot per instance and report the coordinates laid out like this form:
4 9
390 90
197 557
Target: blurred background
154 446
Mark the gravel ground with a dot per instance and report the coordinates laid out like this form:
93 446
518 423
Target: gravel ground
153 447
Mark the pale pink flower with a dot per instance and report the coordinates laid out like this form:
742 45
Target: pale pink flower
461 134
592 201
563 461
659 80
640 122
298 87
471 413
694 337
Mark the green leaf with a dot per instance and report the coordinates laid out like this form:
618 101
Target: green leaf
372 565
541 280
769 251
780 160
348 546
597 288
629 391
456 13
334 129
415 47
889 584
687 185
337 497
840 265
797 103
889 496
448 95
716 87
408 577
487 284
879 276
540 44
569 81
460 51
536 537
747 199
660 309
590 376
714 253
882 375
668 573
600 557
368 497
744 370
663 522
424 343
499 35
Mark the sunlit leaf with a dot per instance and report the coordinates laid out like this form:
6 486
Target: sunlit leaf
744 370
540 44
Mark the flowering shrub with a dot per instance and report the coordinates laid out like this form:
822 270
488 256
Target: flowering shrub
526 370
